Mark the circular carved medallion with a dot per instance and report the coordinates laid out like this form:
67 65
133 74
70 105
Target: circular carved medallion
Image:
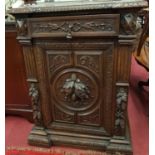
75 89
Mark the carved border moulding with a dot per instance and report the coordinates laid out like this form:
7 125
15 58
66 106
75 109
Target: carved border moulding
130 24
127 39
34 93
24 41
49 7
121 106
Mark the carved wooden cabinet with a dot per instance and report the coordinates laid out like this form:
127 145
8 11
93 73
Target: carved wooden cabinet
77 58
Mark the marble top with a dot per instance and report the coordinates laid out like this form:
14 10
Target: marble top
74 5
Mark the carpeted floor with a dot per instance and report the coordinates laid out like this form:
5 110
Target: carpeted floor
54 151
138 111
17 129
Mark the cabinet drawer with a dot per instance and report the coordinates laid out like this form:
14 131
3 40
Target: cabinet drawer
75 26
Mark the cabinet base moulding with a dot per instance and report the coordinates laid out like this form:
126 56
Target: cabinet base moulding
40 136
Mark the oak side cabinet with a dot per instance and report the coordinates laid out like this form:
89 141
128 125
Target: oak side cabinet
77 56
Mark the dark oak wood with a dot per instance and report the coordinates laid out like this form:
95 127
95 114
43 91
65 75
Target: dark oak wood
78 68
17 99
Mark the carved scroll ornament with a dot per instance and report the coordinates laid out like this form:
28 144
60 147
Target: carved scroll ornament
75 90
34 93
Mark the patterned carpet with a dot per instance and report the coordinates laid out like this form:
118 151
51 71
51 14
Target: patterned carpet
53 151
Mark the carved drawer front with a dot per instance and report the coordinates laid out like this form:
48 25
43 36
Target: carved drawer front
80 83
75 26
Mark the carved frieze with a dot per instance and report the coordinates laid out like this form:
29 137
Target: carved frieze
120 114
22 28
34 93
72 26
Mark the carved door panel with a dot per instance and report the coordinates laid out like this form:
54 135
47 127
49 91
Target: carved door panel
80 82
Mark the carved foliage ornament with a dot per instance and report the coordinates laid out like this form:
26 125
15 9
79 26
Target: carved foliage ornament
34 93
130 24
121 103
75 90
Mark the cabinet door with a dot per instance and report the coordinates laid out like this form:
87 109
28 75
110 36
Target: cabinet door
80 83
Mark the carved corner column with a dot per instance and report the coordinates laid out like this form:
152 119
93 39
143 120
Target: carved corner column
38 135
129 33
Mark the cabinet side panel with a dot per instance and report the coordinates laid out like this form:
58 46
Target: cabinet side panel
17 99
